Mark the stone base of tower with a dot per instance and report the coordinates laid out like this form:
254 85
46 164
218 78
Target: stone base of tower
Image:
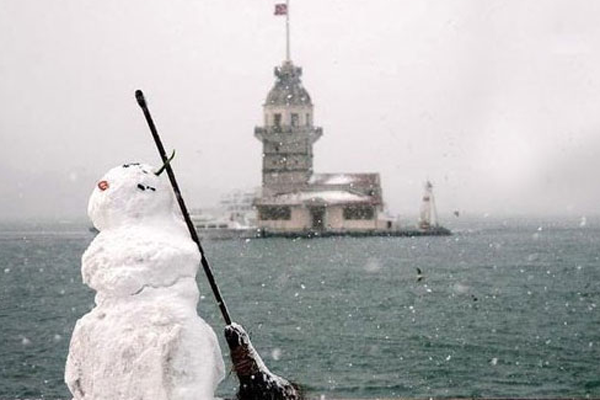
392 232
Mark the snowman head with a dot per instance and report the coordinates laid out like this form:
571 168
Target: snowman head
130 194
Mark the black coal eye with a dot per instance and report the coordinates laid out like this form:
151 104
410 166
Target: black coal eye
130 164
151 188
141 187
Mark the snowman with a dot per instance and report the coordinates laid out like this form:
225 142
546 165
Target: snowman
143 339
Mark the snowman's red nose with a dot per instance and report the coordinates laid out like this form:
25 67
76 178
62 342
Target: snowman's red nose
103 185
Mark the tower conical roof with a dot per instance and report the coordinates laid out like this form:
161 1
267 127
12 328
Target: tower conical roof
288 89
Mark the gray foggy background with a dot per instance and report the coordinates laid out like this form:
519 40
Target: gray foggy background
497 102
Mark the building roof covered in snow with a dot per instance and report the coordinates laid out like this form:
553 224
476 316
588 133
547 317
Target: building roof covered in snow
325 197
331 189
288 89
346 179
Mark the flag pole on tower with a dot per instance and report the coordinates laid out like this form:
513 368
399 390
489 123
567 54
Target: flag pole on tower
284 9
287 30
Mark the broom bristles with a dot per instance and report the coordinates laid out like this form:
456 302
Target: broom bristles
256 381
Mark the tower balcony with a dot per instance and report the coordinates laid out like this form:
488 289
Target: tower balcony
284 133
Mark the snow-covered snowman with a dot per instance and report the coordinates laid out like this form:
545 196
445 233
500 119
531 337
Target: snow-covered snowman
144 339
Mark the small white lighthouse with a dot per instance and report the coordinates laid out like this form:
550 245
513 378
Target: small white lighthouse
428 216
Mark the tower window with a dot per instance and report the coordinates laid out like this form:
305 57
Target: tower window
274 213
359 212
295 119
277 120
308 121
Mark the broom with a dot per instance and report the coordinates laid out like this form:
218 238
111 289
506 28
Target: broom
256 381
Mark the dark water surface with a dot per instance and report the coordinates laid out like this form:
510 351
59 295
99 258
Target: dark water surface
507 308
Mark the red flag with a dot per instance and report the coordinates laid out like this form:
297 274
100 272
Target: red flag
281 9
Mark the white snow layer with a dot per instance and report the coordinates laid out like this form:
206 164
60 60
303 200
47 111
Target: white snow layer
143 339
329 196
339 179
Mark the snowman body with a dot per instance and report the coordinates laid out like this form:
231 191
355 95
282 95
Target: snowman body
143 339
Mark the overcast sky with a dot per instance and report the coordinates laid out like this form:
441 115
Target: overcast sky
497 102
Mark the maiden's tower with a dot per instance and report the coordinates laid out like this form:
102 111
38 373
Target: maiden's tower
294 200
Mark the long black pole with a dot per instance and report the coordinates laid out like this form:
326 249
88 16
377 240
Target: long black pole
139 95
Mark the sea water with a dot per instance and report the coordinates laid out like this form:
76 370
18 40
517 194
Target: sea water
506 307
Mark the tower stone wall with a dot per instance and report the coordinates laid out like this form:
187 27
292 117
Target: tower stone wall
288 133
